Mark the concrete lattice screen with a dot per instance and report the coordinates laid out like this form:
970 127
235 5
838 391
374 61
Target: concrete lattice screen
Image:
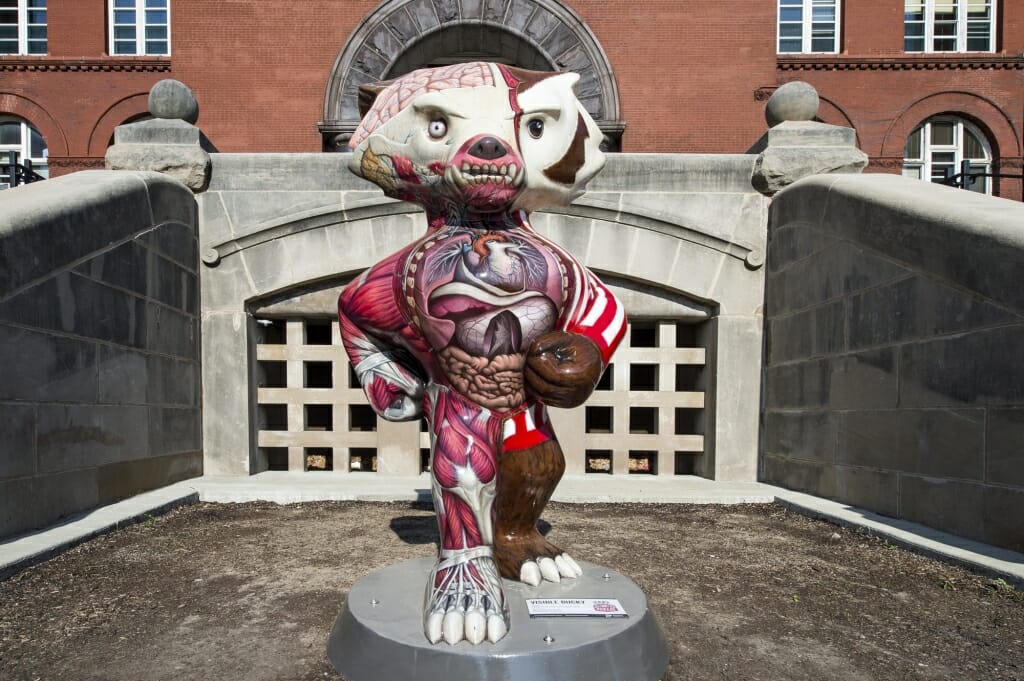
645 418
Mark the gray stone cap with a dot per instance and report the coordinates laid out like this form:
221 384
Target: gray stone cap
665 173
45 226
158 131
811 134
973 241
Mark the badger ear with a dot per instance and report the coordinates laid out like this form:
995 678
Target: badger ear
368 94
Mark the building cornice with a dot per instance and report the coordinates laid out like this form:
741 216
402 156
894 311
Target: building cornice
104 64
927 62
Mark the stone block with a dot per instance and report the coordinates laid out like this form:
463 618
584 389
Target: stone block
172 285
790 243
943 443
793 133
811 333
76 305
422 12
1004 442
226 426
799 385
40 367
80 436
127 478
401 24
471 9
804 435
226 285
171 381
675 173
175 241
871 489
157 131
174 430
123 376
18 434
916 308
252 211
973 241
447 10
948 505
519 14
171 332
494 10
802 476
983 367
864 380
186 163
29 503
1004 508
125 266
780 166
840 269
265 172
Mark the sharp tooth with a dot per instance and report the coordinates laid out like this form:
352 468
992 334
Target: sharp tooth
449 175
460 179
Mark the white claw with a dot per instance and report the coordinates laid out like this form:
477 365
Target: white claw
564 569
573 564
549 570
454 627
476 627
496 628
433 627
529 573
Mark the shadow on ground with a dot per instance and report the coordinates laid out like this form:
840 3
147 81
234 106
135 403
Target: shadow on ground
250 591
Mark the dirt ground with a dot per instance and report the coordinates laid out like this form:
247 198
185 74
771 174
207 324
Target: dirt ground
250 591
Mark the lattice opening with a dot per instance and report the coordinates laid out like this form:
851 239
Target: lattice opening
643 420
643 377
362 459
643 335
277 458
607 379
272 374
643 463
686 463
318 333
686 335
599 419
688 421
598 461
361 418
319 459
688 377
270 331
424 459
319 417
317 375
353 379
273 417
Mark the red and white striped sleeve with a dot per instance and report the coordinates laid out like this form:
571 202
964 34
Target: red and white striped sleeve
597 314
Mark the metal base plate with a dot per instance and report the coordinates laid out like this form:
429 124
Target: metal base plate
379 634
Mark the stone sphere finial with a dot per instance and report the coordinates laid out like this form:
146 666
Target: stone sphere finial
173 99
795 101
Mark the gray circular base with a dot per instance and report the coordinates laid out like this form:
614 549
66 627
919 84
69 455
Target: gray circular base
379 634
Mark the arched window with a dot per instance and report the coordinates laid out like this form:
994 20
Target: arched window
938 147
19 136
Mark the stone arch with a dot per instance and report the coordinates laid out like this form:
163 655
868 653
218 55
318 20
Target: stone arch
401 35
987 116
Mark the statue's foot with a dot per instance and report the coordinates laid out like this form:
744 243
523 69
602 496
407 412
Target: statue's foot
464 598
534 559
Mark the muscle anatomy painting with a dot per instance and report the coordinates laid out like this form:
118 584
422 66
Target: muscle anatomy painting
481 324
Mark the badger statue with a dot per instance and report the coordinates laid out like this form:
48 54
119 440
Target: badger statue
482 323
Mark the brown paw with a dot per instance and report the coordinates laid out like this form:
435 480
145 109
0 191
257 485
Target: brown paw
532 559
562 369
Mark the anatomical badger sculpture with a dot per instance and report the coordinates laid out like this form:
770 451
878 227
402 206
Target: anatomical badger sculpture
482 323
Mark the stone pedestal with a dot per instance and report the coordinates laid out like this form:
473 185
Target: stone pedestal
379 634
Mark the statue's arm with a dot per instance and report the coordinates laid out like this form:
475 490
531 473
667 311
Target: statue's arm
564 367
371 326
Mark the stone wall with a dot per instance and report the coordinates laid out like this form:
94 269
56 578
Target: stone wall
99 341
895 352
681 237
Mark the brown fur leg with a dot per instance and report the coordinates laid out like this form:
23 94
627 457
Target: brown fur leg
526 480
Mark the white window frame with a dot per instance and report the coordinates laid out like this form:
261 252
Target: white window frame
962 24
807 25
139 7
39 163
23 9
925 163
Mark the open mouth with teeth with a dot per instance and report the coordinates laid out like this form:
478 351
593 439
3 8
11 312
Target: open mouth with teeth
485 185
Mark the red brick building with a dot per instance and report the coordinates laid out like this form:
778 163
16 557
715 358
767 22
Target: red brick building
658 75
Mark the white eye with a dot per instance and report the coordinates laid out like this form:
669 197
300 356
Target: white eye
437 128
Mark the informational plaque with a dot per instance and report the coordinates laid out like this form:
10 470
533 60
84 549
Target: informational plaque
575 607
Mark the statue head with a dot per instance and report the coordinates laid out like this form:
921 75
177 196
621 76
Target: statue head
477 139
